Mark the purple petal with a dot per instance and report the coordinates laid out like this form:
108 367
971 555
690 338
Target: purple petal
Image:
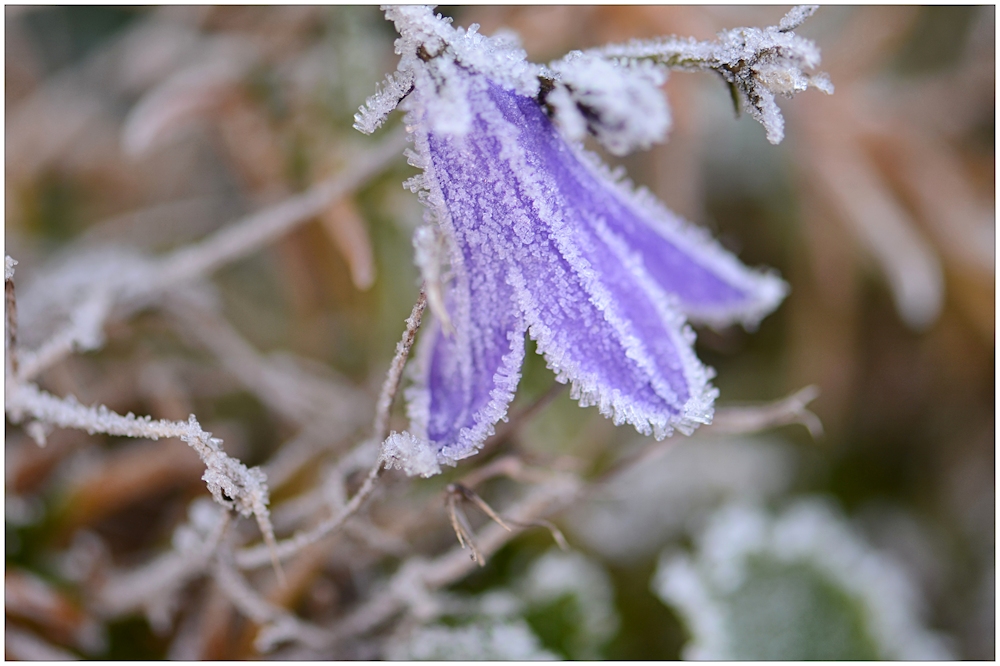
466 381
599 322
708 283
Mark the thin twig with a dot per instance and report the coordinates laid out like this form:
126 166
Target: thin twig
472 496
455 494
380 428
754 418
231 483
460 525
10 339
737 419
249 558
556 533
510 466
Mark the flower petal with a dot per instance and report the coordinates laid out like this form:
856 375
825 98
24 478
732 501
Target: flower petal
465 381
709 283
599 323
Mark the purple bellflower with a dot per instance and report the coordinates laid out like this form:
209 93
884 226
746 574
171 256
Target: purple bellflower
529 234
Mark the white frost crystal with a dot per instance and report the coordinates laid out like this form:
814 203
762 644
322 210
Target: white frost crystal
757 63
621 103
404 451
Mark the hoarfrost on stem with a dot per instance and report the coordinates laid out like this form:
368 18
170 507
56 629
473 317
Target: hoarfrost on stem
528 233
757 63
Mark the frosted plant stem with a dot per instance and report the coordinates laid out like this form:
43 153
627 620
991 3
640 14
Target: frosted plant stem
255 556
380 428
10 337
257 230
739 420
231 483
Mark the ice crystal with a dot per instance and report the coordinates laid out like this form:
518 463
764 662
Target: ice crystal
757 63
619 103
527 233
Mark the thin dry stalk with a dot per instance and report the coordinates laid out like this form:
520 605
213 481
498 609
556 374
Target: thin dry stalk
739 419
380 428
455 494
249 558
10 337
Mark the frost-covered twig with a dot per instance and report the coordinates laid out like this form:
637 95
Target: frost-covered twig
249 558
10 316
231 483
380 428
744 420
757 63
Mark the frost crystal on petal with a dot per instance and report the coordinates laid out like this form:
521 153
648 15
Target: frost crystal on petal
404 451
620 103
529 234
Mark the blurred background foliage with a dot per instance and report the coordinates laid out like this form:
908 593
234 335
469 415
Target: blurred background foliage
150 128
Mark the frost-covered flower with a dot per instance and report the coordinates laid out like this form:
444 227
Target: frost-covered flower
530 234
